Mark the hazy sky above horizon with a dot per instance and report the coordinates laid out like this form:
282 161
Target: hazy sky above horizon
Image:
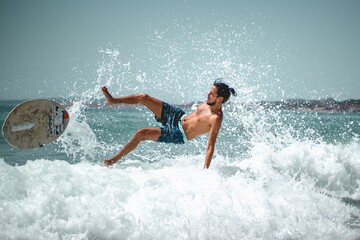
47 47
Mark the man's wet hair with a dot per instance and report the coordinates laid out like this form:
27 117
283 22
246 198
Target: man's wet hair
223 90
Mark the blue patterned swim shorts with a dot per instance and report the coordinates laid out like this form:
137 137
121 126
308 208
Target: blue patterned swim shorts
172 131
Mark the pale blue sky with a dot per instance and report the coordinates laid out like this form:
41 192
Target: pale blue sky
47 46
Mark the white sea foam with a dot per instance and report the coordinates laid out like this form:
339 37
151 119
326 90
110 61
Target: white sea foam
295 193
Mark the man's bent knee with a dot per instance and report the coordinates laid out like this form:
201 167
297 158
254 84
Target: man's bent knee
147 134
142 133
143 97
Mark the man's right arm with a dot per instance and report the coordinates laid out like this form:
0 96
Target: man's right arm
214 131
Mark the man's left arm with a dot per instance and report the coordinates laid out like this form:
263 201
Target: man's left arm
214 131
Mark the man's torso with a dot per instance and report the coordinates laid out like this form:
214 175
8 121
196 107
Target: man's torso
199 121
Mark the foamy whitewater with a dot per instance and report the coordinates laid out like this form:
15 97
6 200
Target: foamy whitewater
275 174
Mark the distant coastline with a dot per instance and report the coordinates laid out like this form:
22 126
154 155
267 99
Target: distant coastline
327 105
322 105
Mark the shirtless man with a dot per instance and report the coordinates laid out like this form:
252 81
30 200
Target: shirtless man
177 128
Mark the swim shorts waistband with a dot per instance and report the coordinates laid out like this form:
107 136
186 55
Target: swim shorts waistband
182 129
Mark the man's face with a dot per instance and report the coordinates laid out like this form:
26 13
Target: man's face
212 96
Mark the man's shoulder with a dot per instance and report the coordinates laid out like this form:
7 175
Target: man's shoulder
200 108
202 105
216 117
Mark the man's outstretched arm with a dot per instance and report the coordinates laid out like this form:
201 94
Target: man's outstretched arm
214 131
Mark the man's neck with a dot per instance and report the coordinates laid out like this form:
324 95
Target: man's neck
216 108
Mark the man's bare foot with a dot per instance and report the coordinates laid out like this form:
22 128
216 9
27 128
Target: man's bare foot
109 98
108 163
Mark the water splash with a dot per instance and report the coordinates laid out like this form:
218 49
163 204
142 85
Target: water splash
185 62
179 67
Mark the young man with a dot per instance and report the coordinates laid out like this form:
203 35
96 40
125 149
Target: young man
177 128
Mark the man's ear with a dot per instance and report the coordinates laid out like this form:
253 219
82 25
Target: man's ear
221 99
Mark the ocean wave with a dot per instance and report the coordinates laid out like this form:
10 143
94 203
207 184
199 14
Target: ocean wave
294 193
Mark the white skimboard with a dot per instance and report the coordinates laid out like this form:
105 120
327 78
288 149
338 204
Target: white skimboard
34 123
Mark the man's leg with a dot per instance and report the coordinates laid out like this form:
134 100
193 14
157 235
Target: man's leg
142 134
155 105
